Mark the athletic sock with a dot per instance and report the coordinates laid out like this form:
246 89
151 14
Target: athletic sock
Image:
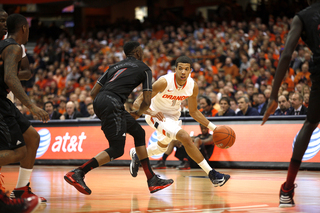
89 165
24 177
292 173
164 157
205 166
147 168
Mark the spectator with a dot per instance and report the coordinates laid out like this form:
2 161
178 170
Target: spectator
90 109
53 114
206 107
283 105
297 105
230 68
234 105
262 104
71 112
225 109
245 109
303 76
306 99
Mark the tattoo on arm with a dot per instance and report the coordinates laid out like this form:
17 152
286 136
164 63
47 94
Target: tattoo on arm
11 57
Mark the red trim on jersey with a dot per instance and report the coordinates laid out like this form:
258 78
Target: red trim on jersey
152 120
163 132
175 82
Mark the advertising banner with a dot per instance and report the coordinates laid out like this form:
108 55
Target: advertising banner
268 143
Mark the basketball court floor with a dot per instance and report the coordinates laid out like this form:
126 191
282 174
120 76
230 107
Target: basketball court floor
114 190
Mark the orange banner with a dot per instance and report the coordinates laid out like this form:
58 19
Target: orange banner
268 143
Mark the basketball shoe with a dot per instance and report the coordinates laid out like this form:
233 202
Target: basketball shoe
160 165
286 197
135 162
185 165
18 205
75 178
24 192
217 178
155 183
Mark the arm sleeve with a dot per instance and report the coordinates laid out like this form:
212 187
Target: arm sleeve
147 83
103 79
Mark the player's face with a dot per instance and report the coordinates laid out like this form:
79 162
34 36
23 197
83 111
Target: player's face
182 72
204 130
26 33
3 24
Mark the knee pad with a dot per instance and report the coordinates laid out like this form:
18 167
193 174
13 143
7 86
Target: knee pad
115 151
138 134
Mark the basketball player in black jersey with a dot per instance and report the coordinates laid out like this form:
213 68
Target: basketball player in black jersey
13 125
110 93
306 24
30 135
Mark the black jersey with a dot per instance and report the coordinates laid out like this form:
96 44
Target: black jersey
310 17
4 89
122 77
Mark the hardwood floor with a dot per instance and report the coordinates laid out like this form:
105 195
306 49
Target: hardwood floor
114 190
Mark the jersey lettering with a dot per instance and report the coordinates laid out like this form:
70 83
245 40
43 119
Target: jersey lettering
173 97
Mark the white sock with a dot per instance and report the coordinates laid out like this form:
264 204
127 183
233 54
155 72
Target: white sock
205 166
154 149
24 177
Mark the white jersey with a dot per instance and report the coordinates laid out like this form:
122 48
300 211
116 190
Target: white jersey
169 100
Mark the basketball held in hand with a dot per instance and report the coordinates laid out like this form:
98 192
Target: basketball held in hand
224 137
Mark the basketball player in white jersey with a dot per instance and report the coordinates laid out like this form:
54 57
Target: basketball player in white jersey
167 94
30 135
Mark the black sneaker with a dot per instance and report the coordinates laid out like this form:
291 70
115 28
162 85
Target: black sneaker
160 165
155 183
135 163
75 178
217 178
184 166
18 205
286 197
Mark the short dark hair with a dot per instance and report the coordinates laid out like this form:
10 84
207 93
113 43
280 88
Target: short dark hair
48 102
89 104
207 100
183 59
14 22
130 46
225 99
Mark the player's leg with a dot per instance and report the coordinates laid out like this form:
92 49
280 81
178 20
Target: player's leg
32 140
108 112
154 182
161 164
301 144
216 178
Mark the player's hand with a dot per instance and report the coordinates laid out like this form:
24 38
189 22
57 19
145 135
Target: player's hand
158 115
135 114
272 106
40 113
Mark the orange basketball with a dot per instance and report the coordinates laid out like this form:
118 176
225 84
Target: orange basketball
224 137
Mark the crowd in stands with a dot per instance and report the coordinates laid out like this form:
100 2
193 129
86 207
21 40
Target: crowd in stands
233 63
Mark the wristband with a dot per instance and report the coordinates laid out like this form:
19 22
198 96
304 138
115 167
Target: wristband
211 126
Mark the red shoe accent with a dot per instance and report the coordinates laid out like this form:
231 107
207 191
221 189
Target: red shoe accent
154 189
32 203
71 181
24 192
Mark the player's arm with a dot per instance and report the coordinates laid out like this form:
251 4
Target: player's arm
157 86
95 90
290 45
194 112
207 141
11 56
99 84
25 73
